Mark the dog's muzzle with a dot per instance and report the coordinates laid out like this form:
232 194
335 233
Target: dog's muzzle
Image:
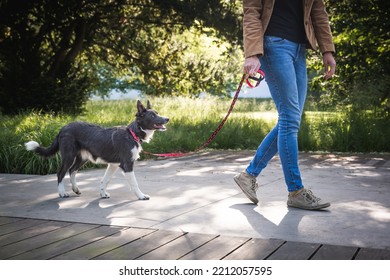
161 126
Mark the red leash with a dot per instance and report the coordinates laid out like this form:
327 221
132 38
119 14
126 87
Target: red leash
208 141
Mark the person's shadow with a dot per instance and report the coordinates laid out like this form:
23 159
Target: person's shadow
288 225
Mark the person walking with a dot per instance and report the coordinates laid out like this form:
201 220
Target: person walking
276 36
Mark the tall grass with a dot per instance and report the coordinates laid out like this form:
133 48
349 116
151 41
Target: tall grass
347 131
192 122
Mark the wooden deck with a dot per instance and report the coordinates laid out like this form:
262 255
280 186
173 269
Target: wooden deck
22 239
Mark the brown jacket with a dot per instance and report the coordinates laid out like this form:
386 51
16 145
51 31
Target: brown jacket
257 14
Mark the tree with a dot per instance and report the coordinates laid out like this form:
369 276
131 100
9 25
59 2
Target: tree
54 53
361 31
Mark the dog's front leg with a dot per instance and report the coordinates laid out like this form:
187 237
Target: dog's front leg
130 177
111 168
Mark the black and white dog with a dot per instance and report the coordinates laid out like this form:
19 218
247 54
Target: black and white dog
79 142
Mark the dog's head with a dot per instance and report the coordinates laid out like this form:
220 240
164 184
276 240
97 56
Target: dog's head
148 119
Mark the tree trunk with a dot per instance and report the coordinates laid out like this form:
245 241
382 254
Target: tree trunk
69 49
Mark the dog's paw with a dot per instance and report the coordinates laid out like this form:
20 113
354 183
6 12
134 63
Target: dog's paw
63 195
104 194
144 197
76 191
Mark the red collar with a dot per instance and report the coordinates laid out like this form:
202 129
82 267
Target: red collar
134 136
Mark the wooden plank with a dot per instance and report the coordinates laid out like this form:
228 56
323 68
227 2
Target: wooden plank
255 249
216 249
18 225
141 246
65 245
373 254
31 232
178 247
294 251
332 252
7 220
104 245
20 247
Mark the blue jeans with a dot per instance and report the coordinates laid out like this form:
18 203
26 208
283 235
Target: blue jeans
284 64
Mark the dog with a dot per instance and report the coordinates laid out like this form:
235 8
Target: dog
79 142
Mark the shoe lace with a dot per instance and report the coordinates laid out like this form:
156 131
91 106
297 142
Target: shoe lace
254 184
310 197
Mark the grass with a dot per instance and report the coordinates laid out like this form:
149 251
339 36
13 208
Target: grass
348 131
192 122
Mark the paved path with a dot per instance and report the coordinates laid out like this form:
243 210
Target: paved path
197 195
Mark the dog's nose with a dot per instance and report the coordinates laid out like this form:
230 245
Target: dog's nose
167 119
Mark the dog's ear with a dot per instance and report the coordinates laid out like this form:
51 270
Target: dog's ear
148 106
140 107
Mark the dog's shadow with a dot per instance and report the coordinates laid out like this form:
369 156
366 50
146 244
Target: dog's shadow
97 204
97 210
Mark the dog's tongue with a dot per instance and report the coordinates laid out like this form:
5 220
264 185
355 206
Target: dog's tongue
160 126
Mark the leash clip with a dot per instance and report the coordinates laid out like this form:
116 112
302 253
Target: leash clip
256 79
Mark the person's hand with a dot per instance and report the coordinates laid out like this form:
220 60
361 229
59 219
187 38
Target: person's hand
251 65
329 65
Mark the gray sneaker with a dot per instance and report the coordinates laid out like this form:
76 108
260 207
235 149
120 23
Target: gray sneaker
248 185
305 199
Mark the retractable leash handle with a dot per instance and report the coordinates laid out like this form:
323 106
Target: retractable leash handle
258 78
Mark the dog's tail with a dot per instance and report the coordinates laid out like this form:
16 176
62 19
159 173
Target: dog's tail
45 152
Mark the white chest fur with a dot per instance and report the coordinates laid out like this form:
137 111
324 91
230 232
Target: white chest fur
135 152
149 135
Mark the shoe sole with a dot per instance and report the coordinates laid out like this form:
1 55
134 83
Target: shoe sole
251 198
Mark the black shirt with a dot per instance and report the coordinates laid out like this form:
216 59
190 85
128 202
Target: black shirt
287 21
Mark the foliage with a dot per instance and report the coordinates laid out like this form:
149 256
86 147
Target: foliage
200 64
361 31
347 131
54 53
